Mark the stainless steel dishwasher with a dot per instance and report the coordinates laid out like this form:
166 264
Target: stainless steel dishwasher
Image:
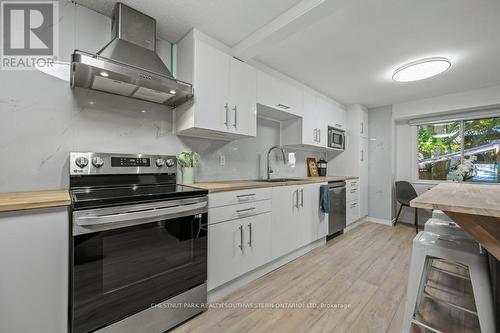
337 215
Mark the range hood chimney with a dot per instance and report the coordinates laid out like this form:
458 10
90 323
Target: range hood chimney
129 65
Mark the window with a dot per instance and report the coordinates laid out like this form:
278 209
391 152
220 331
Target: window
446 149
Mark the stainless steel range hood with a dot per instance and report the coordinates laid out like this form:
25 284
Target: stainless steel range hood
129 65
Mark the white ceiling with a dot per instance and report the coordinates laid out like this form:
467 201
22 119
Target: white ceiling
348 49
228 21
350 54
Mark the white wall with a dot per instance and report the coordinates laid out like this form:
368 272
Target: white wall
463 101
43 120
380 178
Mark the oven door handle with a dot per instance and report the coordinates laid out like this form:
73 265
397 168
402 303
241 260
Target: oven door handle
152 213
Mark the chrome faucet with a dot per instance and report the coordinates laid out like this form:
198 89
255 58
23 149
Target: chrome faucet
269 170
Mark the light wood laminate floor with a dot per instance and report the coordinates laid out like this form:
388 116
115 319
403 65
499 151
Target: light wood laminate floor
366 268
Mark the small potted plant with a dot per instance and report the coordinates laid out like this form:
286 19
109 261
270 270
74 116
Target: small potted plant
187 161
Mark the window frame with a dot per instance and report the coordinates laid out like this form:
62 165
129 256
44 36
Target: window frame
426 121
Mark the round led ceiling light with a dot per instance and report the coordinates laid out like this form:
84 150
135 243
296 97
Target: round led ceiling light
421 69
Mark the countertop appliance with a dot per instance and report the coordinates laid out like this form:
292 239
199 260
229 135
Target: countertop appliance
322 167
336 138
337 215
128 65
139 243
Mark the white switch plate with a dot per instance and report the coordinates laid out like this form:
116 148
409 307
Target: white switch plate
222 160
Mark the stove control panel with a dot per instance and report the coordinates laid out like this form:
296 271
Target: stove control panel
112 164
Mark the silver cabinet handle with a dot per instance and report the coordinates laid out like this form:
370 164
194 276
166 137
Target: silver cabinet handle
226 106
245 196
354 204
297 199
241 238
354 190
246 210
338 125
235 109
362 155
302 198
250 234
283 106
319 135
362 128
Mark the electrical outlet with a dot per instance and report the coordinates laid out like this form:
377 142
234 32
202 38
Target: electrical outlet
222 160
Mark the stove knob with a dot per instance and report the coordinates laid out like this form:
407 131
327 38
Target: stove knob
81 162
97 161
170 162
160 162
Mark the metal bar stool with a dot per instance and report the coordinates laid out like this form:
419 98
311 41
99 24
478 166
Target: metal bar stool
429 246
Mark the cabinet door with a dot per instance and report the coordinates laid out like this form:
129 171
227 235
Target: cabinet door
226 243
363 178
257 249
34 276
278 94
307 219
339 117
284 220
323 118
310 133
313 223
211 85
243 98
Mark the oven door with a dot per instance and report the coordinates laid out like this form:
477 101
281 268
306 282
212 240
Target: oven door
127 258
336 139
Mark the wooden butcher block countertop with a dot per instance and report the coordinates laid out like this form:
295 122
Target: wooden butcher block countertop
475 207
37 199
249 184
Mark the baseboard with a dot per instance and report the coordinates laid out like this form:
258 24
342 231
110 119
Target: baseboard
355 224
380 221
227 288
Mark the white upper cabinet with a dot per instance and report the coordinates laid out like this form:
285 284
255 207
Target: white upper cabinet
242 95
225 91
278 94
211 86
311 130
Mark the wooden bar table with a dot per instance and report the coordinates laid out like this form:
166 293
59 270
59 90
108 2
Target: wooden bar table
474 207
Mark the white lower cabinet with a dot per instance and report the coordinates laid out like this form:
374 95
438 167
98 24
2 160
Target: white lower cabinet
285 234
313 223
297 218
34 276
264 225
236 247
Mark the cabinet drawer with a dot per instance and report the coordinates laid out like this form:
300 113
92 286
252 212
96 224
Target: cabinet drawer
226 213
352 183
238 197
352 194
352 211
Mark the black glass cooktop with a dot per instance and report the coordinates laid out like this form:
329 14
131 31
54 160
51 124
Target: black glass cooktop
120 195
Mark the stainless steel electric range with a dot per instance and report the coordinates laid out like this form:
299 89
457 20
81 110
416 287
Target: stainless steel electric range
139 244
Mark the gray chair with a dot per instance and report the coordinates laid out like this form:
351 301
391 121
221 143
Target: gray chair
405 192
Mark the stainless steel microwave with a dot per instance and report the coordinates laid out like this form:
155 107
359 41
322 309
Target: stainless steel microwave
336 138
